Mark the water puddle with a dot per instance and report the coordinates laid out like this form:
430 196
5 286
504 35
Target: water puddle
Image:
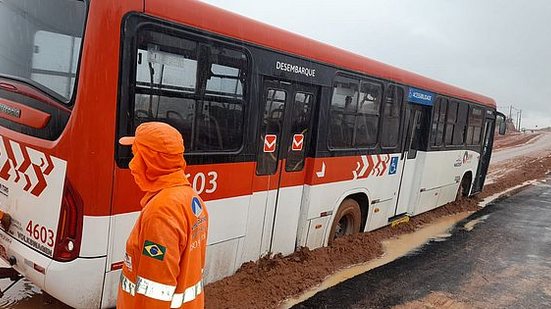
19 295
394 248
441 237
490 199
469 226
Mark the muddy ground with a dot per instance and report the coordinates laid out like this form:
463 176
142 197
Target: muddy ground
514 139
266 283
499 257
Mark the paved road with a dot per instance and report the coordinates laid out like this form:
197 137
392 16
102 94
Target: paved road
499 257
540 144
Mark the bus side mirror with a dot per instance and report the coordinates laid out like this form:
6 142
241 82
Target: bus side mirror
500 120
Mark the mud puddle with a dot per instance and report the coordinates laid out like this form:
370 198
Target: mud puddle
20 294
469 226
393 249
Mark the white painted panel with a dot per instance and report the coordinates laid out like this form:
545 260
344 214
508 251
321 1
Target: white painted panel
221 259
447 194
444 167
428 200
121 225
26 258
379 213
268 222
255 224
110 289
239 252
95 236
82 277
286 223
316 236
227 218
303 223
407 187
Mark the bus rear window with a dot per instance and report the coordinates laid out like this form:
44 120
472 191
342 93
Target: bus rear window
41 43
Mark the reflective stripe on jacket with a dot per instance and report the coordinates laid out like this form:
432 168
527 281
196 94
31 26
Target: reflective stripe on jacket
165 253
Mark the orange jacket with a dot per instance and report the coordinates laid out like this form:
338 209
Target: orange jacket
165 252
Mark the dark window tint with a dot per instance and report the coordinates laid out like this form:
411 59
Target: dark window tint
272 124
460 124
450 122
441 122
394 97
302 107
434 124
344 105
474 129
355 111
197 88
367 118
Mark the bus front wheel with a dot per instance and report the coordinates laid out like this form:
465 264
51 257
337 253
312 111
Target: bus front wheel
347 220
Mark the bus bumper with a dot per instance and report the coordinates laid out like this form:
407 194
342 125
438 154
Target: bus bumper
78 283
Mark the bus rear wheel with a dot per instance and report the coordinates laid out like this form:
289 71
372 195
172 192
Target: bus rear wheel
347 220
463 190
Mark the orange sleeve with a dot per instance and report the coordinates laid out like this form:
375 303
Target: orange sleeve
159 266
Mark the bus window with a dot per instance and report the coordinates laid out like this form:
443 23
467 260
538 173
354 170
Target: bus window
344 106
302 107
196 88
41 43
390 130
450 122
367 118
474 129
434 128
460 124
441 122
224 78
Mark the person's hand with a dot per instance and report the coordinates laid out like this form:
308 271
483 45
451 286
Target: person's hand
6 221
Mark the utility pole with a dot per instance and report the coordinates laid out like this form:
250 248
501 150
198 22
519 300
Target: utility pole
519 119
511 112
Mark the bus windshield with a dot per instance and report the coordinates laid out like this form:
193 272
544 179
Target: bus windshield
40 43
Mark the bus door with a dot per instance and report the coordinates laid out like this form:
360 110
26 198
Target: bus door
285 132
486 152
417 119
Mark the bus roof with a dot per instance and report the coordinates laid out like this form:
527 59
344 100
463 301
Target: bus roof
214 19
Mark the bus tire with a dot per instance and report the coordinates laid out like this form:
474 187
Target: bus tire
463 190
347 220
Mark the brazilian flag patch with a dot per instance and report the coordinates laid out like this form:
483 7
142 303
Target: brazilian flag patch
154 250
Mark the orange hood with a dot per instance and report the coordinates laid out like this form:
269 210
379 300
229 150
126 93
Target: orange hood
158 161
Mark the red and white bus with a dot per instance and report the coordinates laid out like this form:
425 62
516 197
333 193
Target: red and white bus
290 142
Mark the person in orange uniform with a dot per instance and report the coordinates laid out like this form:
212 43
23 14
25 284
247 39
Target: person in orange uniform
165 252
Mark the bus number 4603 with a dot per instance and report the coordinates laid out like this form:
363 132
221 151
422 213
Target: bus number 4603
40 233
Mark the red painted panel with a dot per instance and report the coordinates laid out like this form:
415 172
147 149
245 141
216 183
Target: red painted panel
29 116
239 179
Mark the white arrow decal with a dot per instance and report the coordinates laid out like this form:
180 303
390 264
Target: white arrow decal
363 170
321 173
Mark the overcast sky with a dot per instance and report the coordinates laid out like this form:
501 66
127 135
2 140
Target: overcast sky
498 48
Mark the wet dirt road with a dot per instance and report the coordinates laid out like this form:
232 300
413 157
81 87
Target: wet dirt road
537 146
500 257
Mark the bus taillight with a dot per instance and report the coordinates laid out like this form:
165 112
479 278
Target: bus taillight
69 231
